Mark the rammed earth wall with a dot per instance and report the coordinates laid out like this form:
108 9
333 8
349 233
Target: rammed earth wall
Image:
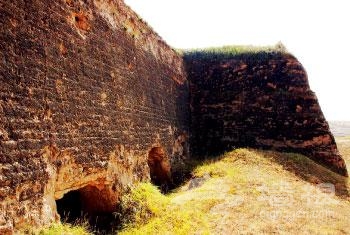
258 99
89 92
87 89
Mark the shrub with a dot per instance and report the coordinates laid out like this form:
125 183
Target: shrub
141 203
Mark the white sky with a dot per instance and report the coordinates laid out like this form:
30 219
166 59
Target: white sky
317 32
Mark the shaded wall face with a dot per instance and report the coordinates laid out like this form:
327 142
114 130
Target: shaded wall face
257 100
87 89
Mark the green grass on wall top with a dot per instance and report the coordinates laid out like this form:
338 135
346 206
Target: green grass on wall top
233 51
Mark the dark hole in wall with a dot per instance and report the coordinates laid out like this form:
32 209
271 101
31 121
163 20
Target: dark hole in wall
89 204
69 207
159 166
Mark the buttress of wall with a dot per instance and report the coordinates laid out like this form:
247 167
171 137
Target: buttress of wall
257 100
87 89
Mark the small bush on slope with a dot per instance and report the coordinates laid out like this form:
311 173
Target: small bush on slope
141 203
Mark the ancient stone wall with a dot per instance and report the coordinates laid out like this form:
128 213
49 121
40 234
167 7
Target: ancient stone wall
87 89
257 100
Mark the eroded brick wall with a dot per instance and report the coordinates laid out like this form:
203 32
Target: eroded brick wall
87 89
257 100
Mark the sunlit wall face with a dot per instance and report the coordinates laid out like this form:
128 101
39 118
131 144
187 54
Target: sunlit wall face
314 31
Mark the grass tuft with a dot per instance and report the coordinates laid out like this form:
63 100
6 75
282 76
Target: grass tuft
141 203
61 228
147 211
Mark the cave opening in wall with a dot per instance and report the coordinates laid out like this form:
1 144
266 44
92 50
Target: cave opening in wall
69 207
93 204
159 166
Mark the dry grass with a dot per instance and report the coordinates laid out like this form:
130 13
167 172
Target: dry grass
343 144
256 192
